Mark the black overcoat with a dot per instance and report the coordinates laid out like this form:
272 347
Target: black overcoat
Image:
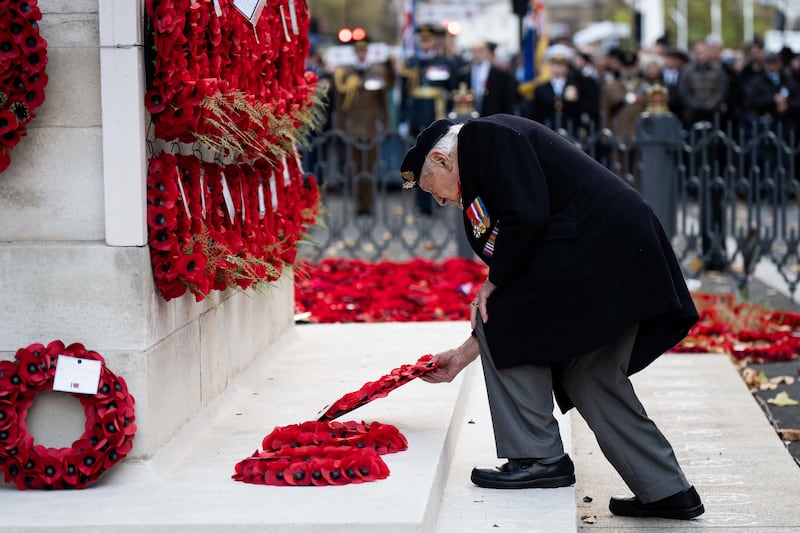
577 255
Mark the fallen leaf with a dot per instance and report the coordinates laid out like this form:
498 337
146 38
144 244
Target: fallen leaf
782 380
789 434
782 399
750 377
589 519
762 377
768 386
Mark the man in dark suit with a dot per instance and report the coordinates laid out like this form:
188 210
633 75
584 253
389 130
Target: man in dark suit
569 307
558 102
492 86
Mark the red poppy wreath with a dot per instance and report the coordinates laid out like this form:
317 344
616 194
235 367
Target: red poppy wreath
23 57
108 433
326 452
322 453
373 390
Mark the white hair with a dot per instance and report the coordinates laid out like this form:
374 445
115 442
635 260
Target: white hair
448 140
445 144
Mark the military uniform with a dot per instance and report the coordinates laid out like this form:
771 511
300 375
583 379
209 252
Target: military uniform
427 79
361 110
426 85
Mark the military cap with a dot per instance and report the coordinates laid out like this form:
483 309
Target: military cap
411 167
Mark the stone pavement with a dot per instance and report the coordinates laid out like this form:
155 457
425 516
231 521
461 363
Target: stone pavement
744 473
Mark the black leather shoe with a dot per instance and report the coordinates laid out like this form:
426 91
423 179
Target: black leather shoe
526 474
681 506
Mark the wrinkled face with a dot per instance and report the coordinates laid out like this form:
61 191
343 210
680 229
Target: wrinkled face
440 179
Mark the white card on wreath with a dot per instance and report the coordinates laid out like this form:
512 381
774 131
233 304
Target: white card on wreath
251 9
74 374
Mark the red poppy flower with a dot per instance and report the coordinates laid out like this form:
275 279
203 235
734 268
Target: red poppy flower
277 472
8 122
29 11
30 41
9 438
35 62
154 101
8 416
8 48
50 464
89 459
70 473
298 473
191 267
10 138
33 369
160 218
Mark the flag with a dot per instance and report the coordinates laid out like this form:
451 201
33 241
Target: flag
409 27
535 44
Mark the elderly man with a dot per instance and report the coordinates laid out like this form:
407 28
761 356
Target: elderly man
583 290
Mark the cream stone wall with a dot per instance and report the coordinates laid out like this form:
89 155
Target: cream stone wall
73 261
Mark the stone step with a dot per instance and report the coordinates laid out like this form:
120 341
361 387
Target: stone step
186 486
730 452
466 507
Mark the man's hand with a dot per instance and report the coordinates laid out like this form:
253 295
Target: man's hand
451 362
479 304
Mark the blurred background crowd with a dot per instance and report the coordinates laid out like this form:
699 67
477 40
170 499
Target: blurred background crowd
459 59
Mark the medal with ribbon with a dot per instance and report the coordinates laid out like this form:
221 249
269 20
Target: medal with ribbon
478 217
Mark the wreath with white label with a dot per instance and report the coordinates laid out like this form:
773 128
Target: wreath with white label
108 432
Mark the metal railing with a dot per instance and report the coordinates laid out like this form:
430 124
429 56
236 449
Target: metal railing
727 195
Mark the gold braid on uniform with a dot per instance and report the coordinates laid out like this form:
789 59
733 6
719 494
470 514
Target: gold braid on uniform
347 83
412 78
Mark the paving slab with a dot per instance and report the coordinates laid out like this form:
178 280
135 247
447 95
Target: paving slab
745 475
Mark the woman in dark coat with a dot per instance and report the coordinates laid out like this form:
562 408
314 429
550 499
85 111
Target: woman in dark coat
583 290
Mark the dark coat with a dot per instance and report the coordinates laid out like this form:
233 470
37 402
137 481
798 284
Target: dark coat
578 256
499 94
549 108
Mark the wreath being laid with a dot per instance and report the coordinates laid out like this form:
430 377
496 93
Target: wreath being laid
108 433
326 452
23 57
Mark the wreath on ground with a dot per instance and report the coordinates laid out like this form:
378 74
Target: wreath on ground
108 433
23 57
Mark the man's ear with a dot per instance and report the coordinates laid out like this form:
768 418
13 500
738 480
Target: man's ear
440 159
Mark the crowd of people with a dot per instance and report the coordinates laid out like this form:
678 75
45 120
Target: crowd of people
580 88
740 85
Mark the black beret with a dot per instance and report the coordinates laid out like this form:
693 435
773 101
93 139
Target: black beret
411 167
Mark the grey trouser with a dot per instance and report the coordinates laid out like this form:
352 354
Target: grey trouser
521 404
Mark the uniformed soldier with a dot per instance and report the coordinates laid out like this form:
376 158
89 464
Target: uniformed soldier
427 79
361 110
624 98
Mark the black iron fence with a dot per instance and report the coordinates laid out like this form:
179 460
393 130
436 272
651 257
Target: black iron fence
728 195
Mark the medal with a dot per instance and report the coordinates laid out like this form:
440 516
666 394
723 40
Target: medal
478 217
